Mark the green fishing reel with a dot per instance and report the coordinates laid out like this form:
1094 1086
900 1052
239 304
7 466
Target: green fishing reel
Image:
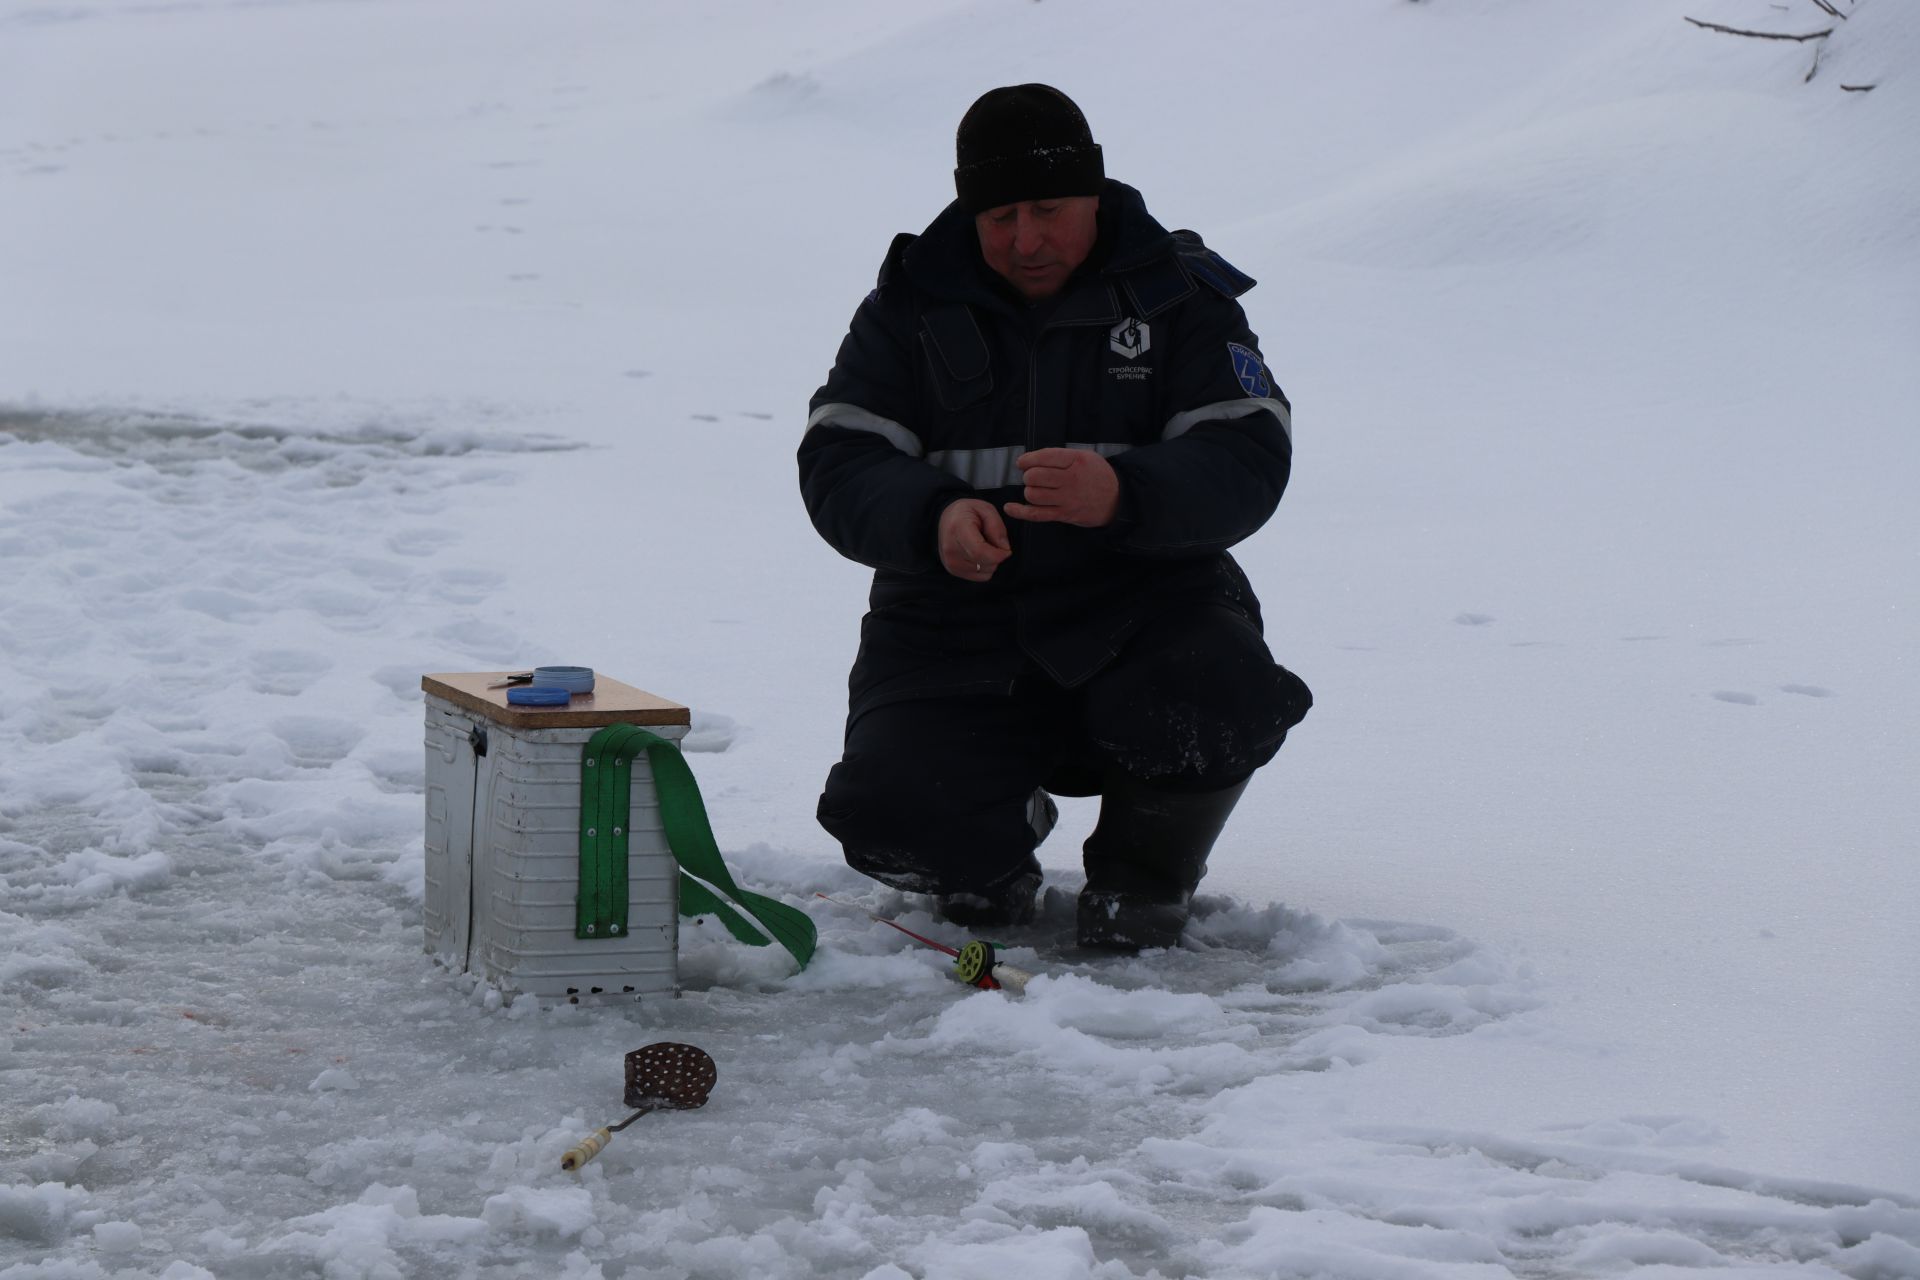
973 965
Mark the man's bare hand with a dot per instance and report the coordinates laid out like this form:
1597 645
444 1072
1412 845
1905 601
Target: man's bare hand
972 539
1071 486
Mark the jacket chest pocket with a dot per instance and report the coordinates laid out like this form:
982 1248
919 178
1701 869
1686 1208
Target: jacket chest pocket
958 365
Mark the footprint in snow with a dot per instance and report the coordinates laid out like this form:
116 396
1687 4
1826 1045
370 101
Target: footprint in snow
1474 619
286 672
706 417
420 542
339 607
482 642
317 741
466 586
1807 690
224 605
1740 699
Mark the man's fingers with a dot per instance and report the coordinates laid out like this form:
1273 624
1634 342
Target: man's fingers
1045 458
1038 515
995 530
1048 478
981 554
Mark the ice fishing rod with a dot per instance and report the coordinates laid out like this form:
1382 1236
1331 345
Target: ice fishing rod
661 1077
977 963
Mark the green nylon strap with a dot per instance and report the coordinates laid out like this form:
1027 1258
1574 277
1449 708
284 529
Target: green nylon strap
606 794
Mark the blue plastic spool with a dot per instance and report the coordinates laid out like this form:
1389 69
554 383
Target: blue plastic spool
537 696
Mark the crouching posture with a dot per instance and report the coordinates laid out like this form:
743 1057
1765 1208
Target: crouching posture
1045 427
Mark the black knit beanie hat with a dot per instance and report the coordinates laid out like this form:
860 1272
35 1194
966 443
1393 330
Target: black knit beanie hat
1024 142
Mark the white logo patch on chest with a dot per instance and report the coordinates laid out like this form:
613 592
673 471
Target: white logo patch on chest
1129 340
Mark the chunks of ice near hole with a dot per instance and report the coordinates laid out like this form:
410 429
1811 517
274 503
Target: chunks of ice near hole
362 1238
116 1237
77 1117
1312 952
1058 1253
186 1271
334 1079
1271 1242
1611 1248
1332 1048
545 1211
1149 1013
40 1213
1879 1255
915 1126
403 1200
1416 1009
1093 1203
1074 1026
1002 1157
90 874
62 1163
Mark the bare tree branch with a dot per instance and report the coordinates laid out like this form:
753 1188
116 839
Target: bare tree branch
1759 35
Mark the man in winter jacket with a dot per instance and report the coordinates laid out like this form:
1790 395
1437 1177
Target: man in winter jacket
1045 427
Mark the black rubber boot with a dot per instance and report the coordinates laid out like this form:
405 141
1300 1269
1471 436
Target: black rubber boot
1012 900
1144 860
1011 903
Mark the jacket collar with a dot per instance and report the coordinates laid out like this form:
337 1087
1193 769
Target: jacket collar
945 261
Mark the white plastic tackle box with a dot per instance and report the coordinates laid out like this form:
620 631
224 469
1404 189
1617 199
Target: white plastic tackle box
503 842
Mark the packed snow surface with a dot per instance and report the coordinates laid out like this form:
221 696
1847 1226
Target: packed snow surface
1571 935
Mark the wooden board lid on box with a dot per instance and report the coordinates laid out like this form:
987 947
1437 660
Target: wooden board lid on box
611 702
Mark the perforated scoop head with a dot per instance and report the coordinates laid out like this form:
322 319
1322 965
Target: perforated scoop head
669 1076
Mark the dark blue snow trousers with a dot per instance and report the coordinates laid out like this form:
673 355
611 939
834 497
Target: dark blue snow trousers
937 795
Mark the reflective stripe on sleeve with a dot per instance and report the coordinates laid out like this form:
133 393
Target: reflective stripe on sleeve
1225 410
854 418
981 468
999 467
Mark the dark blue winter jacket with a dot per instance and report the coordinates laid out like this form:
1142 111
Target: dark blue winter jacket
947 375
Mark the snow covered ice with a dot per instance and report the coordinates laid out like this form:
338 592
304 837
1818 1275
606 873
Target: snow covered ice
1572 935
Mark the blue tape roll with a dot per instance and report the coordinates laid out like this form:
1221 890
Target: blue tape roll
534 696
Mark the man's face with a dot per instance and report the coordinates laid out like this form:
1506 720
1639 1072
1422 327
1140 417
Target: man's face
1036 244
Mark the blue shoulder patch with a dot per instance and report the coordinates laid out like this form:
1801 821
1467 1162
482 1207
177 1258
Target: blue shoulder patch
1251 371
